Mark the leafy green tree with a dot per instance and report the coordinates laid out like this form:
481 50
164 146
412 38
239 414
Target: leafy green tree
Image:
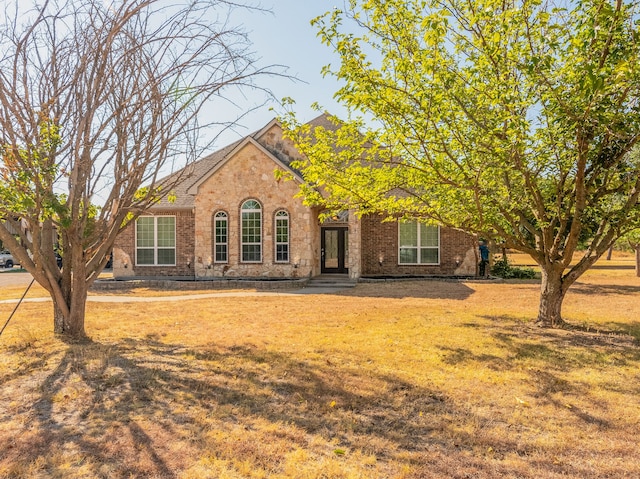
632 240
97 99
514 120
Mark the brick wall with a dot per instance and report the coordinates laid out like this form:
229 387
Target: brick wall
250 174
124 250
380 241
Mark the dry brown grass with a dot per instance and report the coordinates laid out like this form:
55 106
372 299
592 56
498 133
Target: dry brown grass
393 380
37 291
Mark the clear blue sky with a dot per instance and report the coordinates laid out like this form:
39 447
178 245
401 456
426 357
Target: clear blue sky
286 37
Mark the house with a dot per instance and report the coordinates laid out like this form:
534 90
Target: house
233 217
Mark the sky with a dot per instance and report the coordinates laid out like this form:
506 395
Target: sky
285 37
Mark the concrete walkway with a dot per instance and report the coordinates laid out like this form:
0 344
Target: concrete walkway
15 278
151 299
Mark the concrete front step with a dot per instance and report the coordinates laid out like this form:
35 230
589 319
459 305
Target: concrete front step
331 281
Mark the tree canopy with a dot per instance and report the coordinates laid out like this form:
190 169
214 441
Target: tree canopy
98 100
515 121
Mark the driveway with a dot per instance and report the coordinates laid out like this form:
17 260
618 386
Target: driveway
9 278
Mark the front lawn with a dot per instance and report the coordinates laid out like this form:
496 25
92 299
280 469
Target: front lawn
392 380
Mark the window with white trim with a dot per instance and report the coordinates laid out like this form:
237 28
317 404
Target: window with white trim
418 243
156 241
221 237
251 243
282 236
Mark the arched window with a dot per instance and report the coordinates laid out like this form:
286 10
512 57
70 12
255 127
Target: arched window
251 218
282 236
221 237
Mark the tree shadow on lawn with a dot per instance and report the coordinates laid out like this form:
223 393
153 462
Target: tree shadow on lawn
560 351
544 355
570 334
419 289
561 348
567 349
632 328
145 408
460 356
603 289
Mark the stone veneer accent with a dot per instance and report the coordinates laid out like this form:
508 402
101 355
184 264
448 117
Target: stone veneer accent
249 174
194 285
355 247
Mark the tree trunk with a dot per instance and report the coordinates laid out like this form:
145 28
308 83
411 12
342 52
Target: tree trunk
552 293
638 260
70 326
609 253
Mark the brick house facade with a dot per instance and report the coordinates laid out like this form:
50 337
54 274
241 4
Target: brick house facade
380 251
234 218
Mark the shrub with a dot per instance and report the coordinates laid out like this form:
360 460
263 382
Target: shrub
504 269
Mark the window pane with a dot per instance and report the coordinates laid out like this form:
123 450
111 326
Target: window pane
167 256
282 236
429 256
251 228
282 252
408 234
166 232
251 205
145 256
145 232
282 231
428 235
331 248
221 253
221 237
408 255
156 240
251 234
251 252
221 231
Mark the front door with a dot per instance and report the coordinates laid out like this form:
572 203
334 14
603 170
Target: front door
335 251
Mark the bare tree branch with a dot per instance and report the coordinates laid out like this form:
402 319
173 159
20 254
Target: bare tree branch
99 102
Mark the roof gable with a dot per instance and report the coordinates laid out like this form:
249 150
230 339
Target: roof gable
266 128
247 141
195 174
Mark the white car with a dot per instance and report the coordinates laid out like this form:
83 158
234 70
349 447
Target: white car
6 259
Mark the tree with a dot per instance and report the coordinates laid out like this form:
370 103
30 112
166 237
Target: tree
99 99
513 120
632 240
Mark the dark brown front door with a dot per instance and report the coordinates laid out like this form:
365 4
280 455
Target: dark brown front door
334 250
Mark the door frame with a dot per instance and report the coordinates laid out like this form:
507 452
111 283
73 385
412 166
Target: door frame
342 250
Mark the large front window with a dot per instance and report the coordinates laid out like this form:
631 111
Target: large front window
419 243
156 241
221 233
251 213
282 237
